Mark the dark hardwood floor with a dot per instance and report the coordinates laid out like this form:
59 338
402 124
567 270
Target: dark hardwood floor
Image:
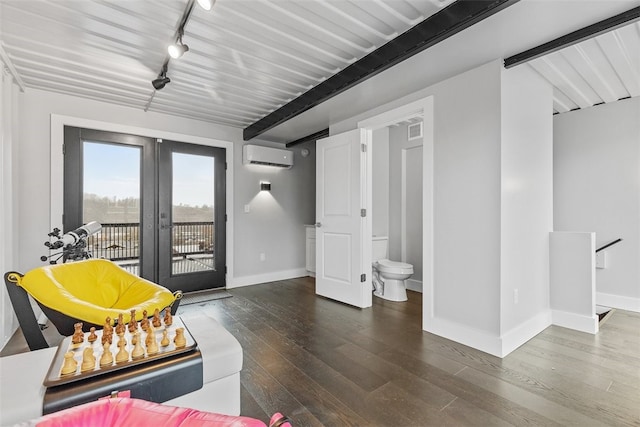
325 363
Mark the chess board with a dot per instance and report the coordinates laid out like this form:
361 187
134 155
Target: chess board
55 377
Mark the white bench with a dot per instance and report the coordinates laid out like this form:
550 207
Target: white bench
21 375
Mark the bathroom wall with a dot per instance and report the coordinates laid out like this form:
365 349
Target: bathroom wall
405 163
380 182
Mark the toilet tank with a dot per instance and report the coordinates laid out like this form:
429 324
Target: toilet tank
379 248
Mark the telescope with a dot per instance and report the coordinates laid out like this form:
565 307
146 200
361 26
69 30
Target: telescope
73 243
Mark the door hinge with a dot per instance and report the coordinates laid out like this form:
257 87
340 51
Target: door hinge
225 217
64 149
363 277
225 269
363 213
364 147
225 165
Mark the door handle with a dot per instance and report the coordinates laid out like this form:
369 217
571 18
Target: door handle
318 224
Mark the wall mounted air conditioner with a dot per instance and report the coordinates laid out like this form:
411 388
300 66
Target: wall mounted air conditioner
258 155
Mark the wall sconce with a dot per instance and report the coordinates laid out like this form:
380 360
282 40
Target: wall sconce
265 186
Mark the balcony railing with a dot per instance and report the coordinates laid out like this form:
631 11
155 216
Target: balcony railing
121 241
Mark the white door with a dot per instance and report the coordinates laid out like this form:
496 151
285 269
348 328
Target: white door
343 260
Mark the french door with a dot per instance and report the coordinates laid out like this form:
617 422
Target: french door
191 203
161 205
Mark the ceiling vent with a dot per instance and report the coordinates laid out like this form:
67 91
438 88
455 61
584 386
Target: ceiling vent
415 131
259 155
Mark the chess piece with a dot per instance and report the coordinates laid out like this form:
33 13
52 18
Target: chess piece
180 340
138 351
88 360
168 318
92 335
107 336
120 326
152 344
122 355
165 338
151 334
78 335
107 325
144 323
69 365
156 319
107 358
133 325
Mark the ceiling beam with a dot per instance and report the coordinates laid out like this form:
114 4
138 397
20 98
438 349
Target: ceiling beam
434 29
313 137
577 36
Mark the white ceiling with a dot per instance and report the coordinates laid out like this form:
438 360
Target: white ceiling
246 58
249 57
600 70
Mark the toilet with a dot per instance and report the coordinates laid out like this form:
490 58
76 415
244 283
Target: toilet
388 276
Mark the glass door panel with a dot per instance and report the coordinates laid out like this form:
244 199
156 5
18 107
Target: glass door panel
192 216
192 213
110 178
111 196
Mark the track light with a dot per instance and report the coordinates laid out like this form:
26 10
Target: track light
177 49
161 81
206 4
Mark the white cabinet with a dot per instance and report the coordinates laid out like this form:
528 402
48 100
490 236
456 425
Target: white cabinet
310 231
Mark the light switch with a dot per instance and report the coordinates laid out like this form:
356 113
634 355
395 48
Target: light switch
247 208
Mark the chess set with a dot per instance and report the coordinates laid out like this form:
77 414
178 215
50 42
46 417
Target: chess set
88 354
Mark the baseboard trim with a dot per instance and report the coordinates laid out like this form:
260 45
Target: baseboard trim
578 322
618 301
463 334
522 333
238 282
414 285
499 346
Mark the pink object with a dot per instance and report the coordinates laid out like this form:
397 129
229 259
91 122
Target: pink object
135 412
279 420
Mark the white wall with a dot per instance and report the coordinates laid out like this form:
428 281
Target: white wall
380 182
597 188
274 225
474 138
466 202
572 296
281 227
8 196
527 204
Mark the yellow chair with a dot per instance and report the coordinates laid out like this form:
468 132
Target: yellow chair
86 291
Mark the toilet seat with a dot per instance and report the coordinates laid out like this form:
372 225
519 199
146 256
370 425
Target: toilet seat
388 266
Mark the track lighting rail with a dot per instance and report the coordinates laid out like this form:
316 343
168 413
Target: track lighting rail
177 48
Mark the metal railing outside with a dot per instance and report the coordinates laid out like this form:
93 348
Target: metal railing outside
121 241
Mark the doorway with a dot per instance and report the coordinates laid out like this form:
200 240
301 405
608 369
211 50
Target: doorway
161 205
344 170
397 195
424 109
